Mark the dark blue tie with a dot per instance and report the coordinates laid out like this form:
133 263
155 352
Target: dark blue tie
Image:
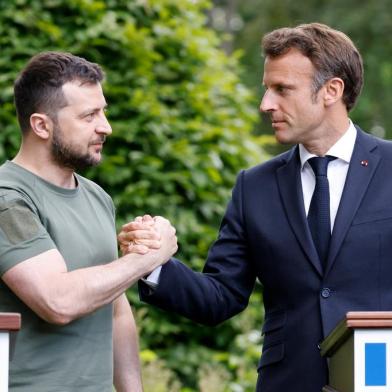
319 216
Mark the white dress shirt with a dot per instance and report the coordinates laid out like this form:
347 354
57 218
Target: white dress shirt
337 171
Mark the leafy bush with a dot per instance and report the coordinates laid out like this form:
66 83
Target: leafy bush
182 125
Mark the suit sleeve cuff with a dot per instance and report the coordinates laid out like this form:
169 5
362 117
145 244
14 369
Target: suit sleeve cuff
152 280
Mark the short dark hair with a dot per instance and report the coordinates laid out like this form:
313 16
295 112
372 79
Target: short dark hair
38 87
331 52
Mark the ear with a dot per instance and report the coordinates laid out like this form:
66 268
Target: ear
334 89
41 125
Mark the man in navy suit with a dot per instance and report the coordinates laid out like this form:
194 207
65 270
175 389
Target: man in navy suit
310 277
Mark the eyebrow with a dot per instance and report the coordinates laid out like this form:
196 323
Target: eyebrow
89 110
289 86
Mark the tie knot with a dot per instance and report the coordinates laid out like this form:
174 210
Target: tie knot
320 164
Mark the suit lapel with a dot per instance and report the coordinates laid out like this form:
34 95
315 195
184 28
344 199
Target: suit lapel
290 187
357 182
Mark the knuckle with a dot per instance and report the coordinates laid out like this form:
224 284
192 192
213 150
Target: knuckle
121 238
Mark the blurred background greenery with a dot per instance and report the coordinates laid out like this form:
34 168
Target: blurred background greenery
183 86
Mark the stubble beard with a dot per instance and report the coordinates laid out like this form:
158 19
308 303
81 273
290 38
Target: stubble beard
66 155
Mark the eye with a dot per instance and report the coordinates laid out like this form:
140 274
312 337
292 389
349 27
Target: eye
281 89
89 117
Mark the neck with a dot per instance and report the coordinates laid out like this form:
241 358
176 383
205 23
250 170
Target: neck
41 164
330 133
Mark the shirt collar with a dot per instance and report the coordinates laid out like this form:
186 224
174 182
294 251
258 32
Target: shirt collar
342 149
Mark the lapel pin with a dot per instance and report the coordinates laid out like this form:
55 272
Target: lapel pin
365 162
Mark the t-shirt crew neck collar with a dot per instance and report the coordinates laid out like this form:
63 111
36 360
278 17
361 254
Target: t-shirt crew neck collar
50 186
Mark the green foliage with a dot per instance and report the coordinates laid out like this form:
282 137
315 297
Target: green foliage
156 376
182 125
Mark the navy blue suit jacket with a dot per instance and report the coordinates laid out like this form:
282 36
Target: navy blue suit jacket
264 234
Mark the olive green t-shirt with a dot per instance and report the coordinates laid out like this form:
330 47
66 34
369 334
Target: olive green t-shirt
36 216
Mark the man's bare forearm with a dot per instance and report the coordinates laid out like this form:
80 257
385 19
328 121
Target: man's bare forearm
60 296
126 366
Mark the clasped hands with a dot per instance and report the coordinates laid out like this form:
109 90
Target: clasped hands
147 234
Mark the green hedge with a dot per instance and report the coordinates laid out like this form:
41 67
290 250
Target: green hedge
182 124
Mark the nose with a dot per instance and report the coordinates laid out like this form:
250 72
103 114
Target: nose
268 103
103 126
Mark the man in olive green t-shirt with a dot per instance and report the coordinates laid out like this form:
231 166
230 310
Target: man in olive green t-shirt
58 253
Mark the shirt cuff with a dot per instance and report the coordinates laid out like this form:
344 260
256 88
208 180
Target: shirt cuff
152 280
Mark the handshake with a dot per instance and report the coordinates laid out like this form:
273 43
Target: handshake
149 236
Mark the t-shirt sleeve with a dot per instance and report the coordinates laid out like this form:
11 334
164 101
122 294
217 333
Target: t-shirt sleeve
22 234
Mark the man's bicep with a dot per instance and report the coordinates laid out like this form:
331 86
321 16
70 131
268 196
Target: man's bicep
29 260
33 280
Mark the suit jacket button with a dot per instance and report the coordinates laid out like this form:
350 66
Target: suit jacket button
325 292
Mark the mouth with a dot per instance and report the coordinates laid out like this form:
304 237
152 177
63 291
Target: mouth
97 146
277 123
97 143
